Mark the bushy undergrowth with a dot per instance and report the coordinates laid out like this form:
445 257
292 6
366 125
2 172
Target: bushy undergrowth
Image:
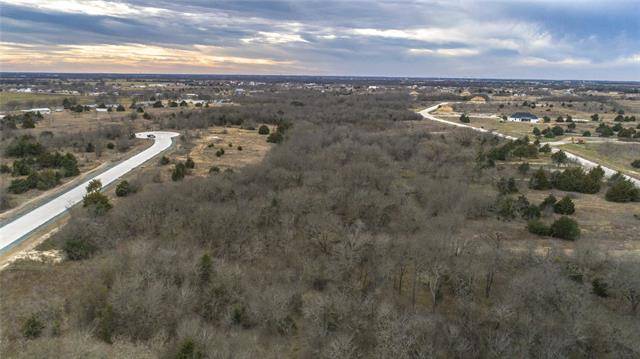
348 240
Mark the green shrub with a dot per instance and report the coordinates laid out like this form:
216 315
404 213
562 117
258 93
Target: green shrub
526 151
47 179
623 190
505 208
22 167
539 180
564 206
220 152
523 168
98 201
600 288
635 164
565 228
549 201
239 315
214 169
28 122
275 137
189 163
537 227
32 327
69 165
530 212
78 248
188 350
164 160
94 186
559 157
545 149
464 118
576 180
24 146
239 148
204 269
507 186
179 171
123 189
263 130
106 325
20 185
111 146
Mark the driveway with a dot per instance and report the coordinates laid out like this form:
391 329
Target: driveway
19 229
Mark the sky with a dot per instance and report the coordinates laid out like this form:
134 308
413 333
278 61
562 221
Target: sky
578 39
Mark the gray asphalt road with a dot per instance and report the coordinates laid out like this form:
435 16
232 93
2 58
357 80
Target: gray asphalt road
19 228
426 113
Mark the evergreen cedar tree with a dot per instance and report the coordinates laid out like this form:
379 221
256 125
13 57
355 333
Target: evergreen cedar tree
179 171
123 189
564 206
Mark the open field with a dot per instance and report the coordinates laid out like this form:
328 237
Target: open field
617 155
489 116
253 149
20 101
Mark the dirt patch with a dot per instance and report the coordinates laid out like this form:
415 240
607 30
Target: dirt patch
444 109
478 99
241 148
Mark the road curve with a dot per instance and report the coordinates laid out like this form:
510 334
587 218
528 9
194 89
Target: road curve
426 113
16 230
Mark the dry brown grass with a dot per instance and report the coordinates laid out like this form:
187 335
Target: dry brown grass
254 148
616 155
608 225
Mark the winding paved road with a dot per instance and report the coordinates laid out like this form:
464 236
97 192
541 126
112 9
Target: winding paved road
18 229
426 113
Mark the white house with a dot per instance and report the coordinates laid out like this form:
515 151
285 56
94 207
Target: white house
102 109
523 117
43 111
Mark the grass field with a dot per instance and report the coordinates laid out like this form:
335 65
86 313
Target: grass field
616 155
17 101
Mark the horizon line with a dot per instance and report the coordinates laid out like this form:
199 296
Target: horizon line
321 76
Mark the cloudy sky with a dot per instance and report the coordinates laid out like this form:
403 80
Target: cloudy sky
571 39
